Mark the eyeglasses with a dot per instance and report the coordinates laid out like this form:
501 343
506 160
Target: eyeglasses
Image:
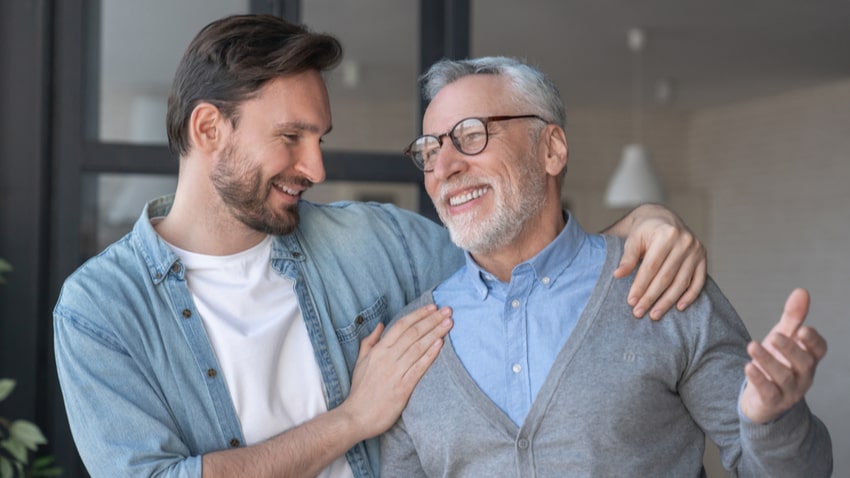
469 135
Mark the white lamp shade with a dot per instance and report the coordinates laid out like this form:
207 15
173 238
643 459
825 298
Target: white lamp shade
635 181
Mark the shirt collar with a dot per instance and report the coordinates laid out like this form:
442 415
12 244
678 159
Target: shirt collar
547 265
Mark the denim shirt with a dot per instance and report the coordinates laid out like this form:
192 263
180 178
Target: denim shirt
141 382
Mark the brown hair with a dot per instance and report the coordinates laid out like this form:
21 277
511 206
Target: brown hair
232 58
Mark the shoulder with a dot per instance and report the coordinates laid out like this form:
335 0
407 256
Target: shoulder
421 301
111 279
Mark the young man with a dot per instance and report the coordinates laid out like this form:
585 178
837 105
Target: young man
542 373
236 331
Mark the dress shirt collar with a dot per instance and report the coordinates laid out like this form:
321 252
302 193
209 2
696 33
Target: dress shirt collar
547 265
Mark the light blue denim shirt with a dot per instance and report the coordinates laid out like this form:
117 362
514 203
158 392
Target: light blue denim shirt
508 334
141 383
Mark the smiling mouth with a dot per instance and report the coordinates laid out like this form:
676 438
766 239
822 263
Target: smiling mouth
469 196
287 189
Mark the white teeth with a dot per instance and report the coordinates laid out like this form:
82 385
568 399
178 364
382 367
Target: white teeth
464 198
287 190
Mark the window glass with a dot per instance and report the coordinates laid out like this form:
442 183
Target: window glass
113 202
374 96
136 48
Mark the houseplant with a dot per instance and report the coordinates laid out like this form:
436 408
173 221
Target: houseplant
19 439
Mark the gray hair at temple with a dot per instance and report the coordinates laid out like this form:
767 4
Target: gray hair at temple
530 86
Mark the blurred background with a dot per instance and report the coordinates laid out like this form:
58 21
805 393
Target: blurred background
741 109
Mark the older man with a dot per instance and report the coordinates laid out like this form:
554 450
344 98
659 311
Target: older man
542 374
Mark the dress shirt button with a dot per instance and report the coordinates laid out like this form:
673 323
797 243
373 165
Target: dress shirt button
187 313
515 303
545 280
211 373
234 442
522 443
517 368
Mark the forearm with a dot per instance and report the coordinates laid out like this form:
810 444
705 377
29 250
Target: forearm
301 451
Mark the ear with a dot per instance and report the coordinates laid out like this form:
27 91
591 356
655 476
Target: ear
556 149
207 128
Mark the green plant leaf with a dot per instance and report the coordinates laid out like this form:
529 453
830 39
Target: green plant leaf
43 461
55 471
6 387
5 467
4 267
27 433
16 449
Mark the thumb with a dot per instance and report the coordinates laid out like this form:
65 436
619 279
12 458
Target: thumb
796 309
631 254
370 340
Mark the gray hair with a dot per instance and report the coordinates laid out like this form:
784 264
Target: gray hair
530 86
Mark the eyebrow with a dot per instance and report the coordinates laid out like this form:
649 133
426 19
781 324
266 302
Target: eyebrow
300 126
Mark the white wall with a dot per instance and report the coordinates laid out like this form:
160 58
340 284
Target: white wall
777 173
766 185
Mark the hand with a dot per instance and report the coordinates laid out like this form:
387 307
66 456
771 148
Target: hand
783 365
389 367
674 261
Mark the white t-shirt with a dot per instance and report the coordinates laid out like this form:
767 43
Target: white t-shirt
252 318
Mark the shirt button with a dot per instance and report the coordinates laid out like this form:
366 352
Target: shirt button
358 320
545 280
187 313
517 368
234 442
514 303
175 268
296 255
211 373
522 443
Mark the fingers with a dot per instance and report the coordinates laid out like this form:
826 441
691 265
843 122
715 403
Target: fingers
414 324
672 264
812 341
413 335
680 284
794 313
695 287
655 252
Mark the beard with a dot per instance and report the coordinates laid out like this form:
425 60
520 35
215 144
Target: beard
514 204
241 186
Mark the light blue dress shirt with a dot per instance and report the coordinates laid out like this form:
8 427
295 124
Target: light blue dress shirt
507 335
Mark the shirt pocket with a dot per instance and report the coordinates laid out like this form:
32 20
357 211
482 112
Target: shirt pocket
360 326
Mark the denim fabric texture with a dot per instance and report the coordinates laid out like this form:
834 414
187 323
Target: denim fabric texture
140 380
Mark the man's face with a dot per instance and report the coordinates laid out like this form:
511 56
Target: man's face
273 154
486 201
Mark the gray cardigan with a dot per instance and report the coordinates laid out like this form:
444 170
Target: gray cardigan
625 397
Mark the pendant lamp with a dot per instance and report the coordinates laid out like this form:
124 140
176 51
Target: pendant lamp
635 181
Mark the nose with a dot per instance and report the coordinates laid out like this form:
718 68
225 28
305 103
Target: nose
448 162
310 163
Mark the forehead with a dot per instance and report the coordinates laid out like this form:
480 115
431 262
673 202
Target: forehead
473 95
300 97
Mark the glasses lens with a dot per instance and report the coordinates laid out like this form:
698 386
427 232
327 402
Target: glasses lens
424 150
470 136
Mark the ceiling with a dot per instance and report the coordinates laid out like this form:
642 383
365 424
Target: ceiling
710 52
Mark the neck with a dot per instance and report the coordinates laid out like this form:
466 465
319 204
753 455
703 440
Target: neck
200 222
535 236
